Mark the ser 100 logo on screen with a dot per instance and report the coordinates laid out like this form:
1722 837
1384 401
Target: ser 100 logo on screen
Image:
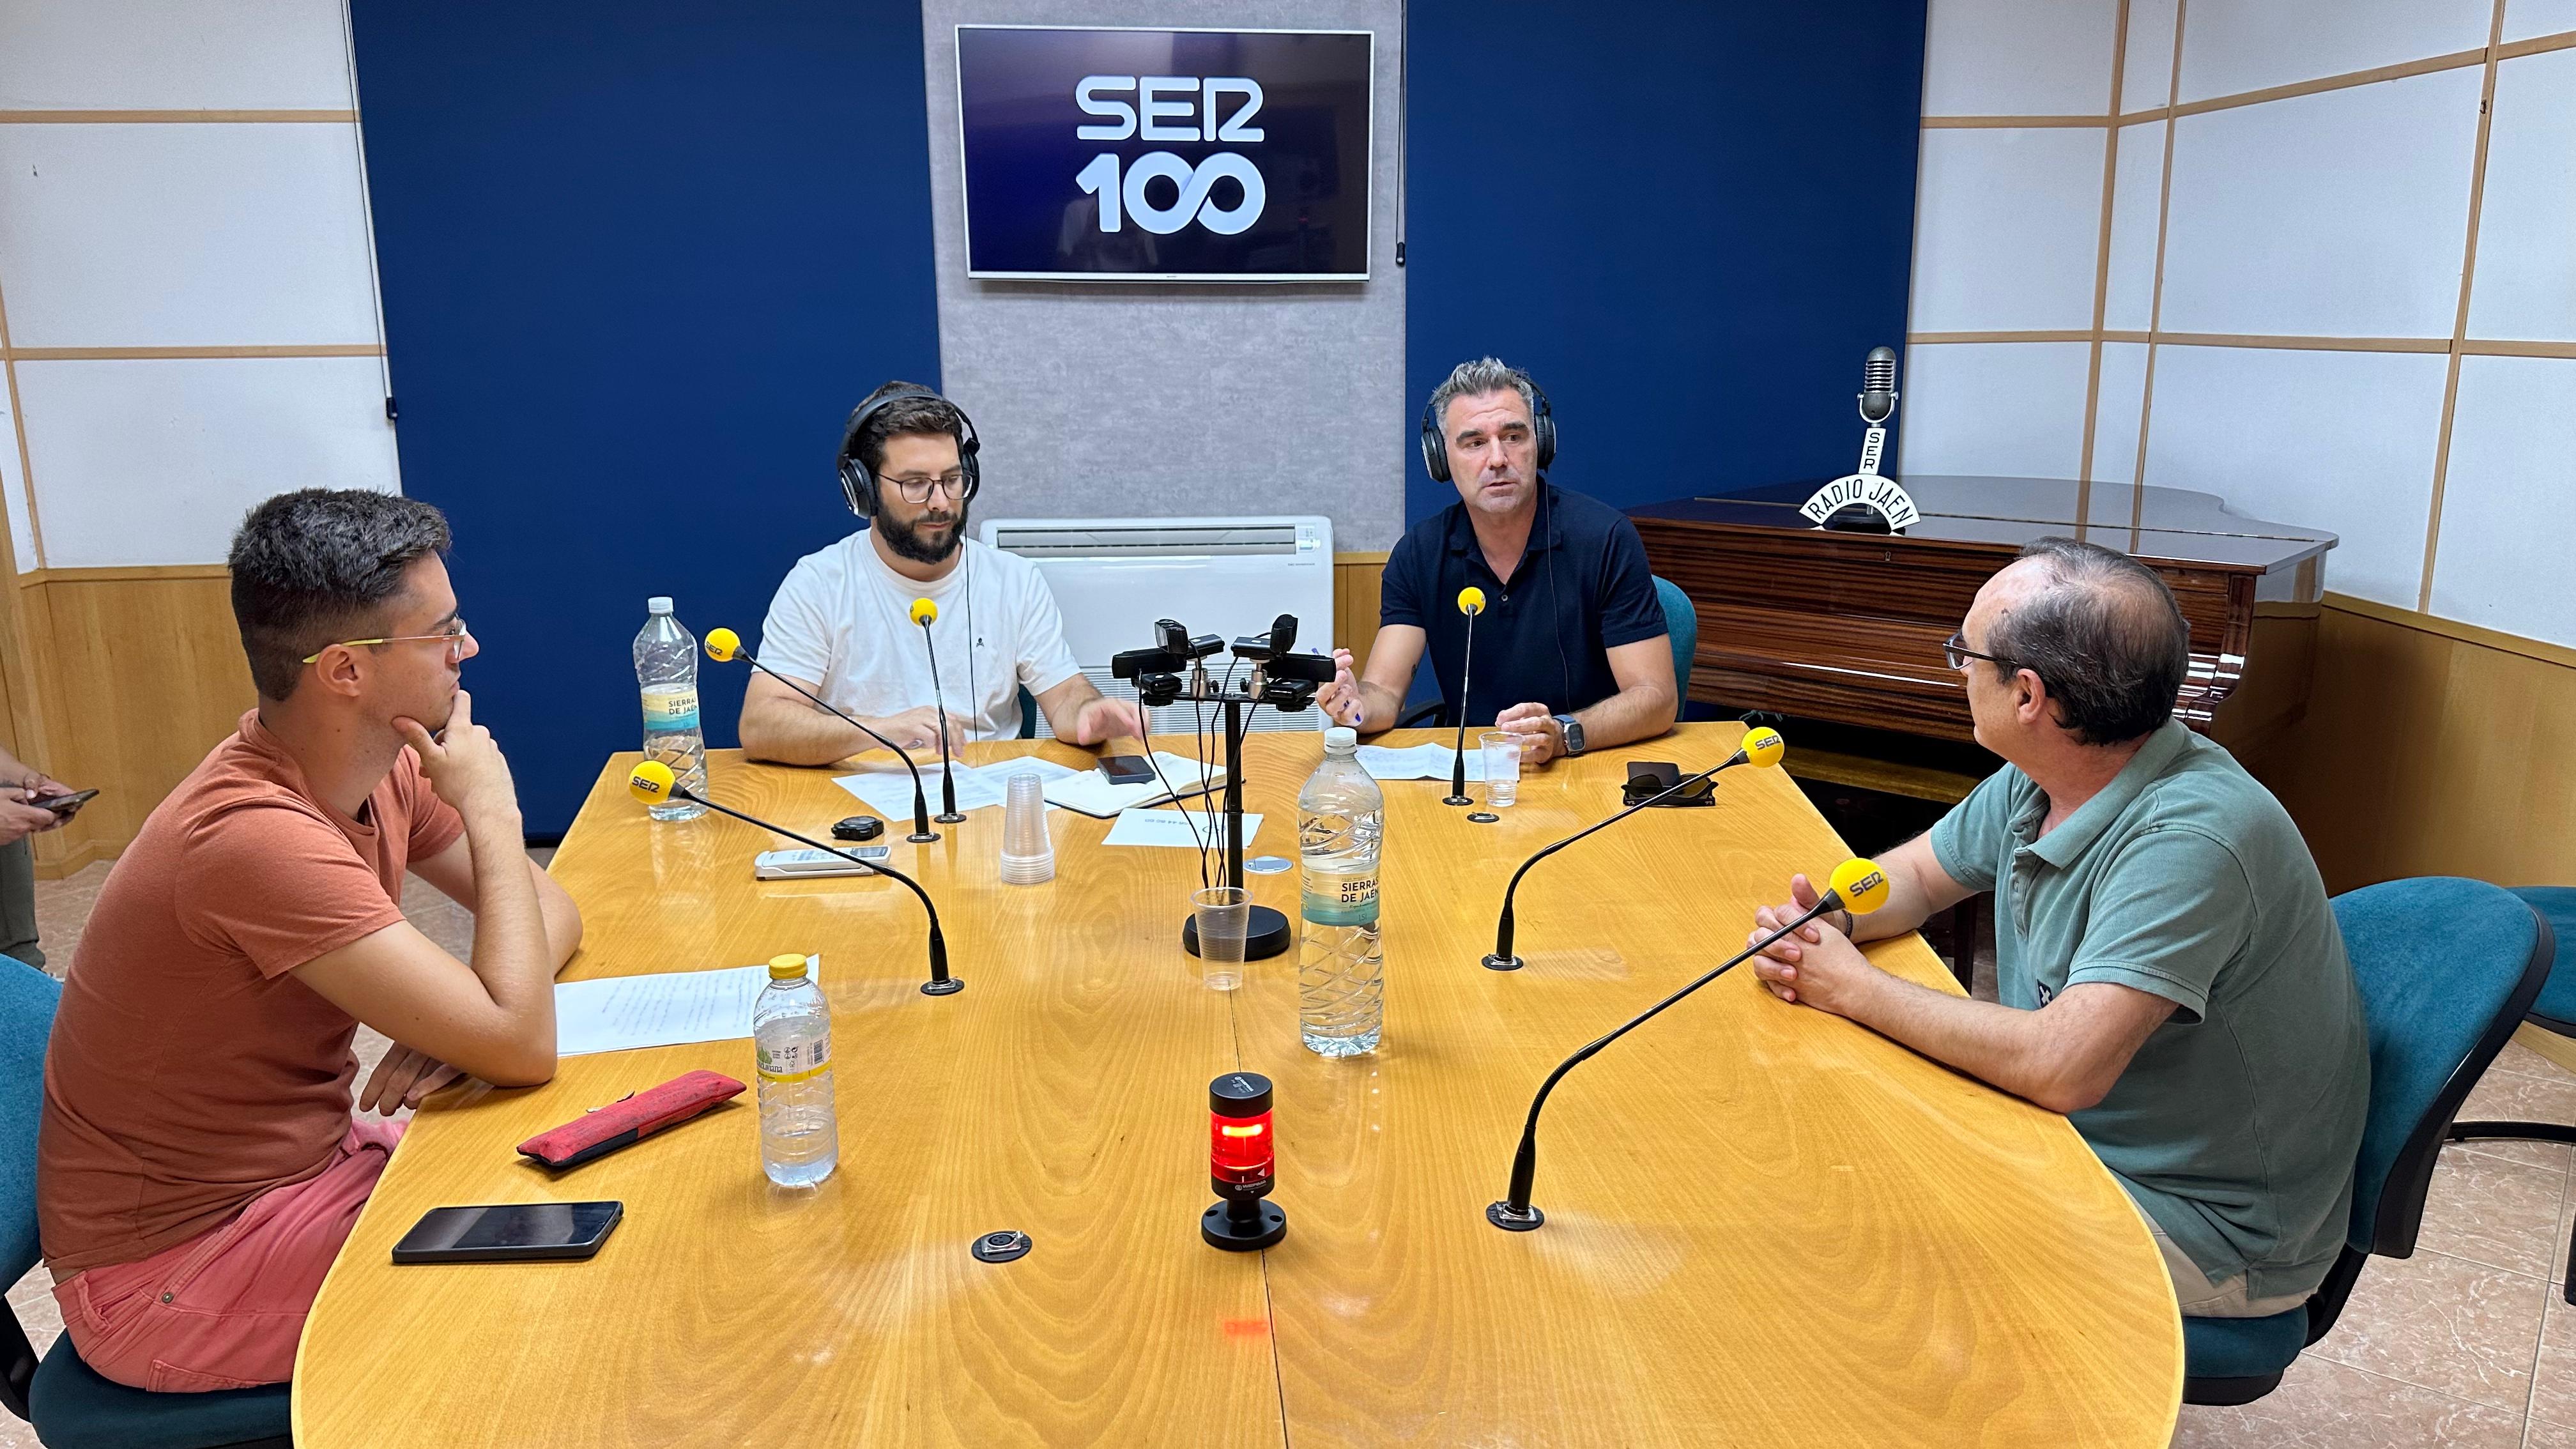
1194 102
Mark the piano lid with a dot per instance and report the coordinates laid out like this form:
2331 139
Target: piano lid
2175 524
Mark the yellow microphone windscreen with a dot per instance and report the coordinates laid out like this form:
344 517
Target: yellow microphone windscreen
1861 885
1763 745
650 782
923 611
722 644
1471 600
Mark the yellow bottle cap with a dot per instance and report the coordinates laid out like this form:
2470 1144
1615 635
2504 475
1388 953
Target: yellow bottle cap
787 967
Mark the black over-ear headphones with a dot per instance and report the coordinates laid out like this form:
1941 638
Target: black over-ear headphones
1435 442
859 481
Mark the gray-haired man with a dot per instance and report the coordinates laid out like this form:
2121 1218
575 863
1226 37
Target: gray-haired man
1571 649
2169 971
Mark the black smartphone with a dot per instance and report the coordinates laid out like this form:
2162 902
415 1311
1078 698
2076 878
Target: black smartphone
509 1232
1127 769
65 806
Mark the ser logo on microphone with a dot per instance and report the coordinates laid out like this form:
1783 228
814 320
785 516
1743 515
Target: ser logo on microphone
1196 101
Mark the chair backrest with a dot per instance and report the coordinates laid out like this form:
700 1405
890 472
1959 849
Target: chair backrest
27 999
1028 714
1681 621
2447 967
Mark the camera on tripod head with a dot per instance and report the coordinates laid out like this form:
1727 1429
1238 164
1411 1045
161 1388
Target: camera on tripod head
1282 679
1156 672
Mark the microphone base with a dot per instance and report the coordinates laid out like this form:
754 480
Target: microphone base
1457 800
923 837
1504 963
949 987
1482 817
947 817
1269 936
1221 1230
1500 1214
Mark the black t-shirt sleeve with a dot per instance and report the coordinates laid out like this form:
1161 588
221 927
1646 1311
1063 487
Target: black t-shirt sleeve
1630 611
1407 579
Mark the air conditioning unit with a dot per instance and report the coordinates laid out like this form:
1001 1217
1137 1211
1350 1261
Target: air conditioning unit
1114 577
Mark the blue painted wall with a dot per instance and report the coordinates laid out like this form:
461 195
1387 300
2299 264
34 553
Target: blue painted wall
1689 220
637 265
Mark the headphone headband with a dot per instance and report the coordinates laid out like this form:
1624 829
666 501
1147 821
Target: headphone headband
1435 441
859 480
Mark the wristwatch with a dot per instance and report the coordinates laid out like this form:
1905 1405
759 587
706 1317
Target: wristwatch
1572 731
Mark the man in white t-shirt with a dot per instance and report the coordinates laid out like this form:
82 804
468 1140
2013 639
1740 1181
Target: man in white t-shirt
841 624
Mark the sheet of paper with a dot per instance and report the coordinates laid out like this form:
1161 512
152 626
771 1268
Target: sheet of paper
672 1008
1090 792
1421 762
888 790
1166 827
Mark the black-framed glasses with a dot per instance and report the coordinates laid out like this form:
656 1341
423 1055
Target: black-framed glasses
453 638
1957 652
954 483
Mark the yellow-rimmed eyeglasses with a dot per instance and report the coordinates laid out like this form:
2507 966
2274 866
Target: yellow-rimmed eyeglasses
454 639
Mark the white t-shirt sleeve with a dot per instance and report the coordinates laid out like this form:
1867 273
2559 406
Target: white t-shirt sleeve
1045 660
796 638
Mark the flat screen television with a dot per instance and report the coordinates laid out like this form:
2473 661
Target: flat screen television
1165 155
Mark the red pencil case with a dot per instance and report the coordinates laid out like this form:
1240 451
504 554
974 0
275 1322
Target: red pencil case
629 1119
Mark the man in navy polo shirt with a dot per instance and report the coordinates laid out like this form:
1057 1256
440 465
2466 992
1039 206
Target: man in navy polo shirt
1571 650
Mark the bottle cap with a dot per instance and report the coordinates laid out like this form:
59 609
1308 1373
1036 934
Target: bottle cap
1341 737
786 968
658 604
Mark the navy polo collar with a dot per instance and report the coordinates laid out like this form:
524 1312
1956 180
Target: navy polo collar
1462 529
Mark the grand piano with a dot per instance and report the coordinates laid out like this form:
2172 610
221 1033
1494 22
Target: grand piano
1848 627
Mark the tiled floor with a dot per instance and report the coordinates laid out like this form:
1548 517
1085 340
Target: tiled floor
2467 1343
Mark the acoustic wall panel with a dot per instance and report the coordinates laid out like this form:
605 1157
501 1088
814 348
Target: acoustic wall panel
2337 214
155 461
637 268
2137 195
2006 226
2018 57
173 55
2116 411
2233 46
2526 19
2526 278
2009 409
2507 534
2335 440
2146 63
184 235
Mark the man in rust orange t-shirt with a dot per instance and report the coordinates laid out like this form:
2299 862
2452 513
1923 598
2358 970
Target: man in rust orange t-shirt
198 1166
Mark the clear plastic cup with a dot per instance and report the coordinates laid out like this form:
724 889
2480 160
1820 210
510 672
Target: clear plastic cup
1224 916
1502 768
1028 855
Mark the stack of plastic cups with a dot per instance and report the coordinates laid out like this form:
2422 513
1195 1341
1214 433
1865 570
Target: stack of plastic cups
1028 855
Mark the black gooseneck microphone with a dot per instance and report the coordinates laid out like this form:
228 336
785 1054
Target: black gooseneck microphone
1859 886
652 782
1762 746
724 644
1471 602
923 612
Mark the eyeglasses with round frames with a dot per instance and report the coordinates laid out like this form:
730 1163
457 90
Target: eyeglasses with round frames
454 639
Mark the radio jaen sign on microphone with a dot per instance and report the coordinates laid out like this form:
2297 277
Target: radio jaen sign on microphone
1165 155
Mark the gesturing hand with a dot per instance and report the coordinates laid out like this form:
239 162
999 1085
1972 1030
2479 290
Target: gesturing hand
1537 729
402 1079
1340 700
465 766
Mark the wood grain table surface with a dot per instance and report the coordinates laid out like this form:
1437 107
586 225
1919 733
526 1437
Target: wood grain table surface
1765 1226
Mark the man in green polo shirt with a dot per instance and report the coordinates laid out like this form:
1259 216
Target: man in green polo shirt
2169 971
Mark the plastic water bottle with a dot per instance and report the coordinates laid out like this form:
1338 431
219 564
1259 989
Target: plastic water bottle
1341 978
666 666
791 1032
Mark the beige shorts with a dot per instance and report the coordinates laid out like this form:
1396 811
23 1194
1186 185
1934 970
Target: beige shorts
2201 1298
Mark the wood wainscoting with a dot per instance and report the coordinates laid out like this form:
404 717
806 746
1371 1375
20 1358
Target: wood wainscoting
1355 600
135 673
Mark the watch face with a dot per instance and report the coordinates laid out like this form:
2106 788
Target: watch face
1573 731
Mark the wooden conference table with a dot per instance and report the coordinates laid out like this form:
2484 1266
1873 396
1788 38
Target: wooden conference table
1764 1225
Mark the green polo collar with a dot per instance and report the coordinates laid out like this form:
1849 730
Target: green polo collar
2063 846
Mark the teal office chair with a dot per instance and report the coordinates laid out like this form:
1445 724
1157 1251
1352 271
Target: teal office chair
2555 1012
71 1407
2447 968
1028 714
1681 624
